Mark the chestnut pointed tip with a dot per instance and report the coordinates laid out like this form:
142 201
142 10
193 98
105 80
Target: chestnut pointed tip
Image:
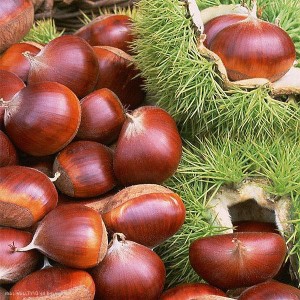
12 246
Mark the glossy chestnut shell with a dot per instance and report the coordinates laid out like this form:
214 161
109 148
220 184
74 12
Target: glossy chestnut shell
86 169
238 260
55 283
189 291
129 271
73 235
10 84
27 195
102 117
149 147
68 60
14 61
147 214
109 30
254 49
271 290
15 266
42 118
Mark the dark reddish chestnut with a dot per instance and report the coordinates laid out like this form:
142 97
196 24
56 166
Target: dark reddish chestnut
244 48
189 291
16 19
215 25
55 283
129 271
271 290
118 73
27 195
42 118
149 147
238 260
68 60
109 30
255 226
147 214
102 117
8 153
86 169
10 84
14 266
73 235
13 60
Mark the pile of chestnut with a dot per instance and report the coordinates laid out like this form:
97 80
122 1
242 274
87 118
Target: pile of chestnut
82 163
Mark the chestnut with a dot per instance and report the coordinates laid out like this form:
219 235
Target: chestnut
27 195
86 169
13 60
149 147
129 271
113 30
16 19
68 60
238 260
10 84
14 266
255 226
42 118
55 283
189 291
73 235
8 153
102 117
118 73
147 214
271 290
252 57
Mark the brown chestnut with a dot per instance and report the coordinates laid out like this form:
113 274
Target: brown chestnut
68 60
10 84
55 283
129 271
189 291
102 117
42 118
16 19
147 214
238 260
109 30
86 169
14 266
13 60
255 226
118 73
271 290
73 235
149 147
27 195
